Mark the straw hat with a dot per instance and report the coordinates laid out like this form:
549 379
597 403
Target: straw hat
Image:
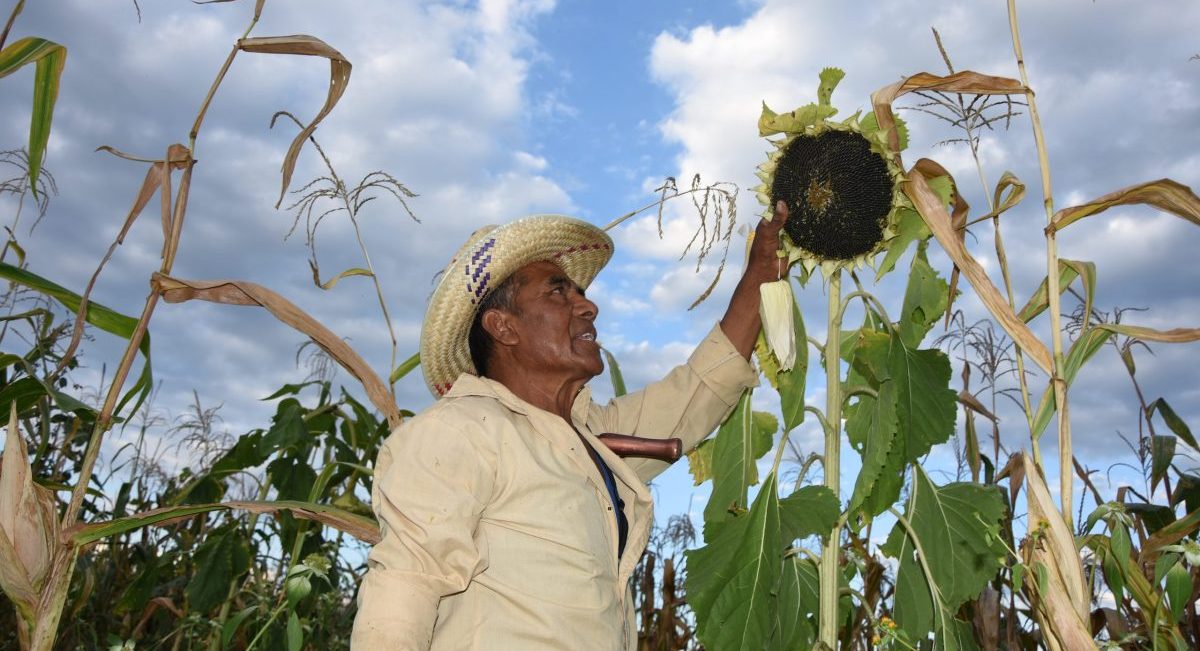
492 254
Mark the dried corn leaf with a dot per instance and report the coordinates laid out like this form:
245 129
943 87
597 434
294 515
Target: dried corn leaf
363 528
258 5
339 77
1062 598
966 81
939 222
1003 202
958 221
236 292
158 178
1173 336
1164 194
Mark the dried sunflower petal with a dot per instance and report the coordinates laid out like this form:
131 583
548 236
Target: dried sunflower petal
775 308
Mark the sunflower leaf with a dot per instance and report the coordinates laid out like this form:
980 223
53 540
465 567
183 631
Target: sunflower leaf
925 300
742 439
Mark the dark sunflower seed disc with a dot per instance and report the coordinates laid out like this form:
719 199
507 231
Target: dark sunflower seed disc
838 192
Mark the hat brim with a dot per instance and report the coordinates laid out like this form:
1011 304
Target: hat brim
488 258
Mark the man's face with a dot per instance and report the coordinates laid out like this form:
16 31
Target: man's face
555 323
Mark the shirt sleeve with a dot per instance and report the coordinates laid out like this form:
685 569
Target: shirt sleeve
431 483
688 403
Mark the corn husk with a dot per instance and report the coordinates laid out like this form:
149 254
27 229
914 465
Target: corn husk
28 525
775 308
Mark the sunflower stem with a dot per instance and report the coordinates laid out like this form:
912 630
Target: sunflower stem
1056 380
832 463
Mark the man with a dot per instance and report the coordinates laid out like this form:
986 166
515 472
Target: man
506 523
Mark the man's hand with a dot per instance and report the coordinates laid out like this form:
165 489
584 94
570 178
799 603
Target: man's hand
741 322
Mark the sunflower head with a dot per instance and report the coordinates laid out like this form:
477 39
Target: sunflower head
840 181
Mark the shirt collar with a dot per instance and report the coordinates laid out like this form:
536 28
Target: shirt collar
473 385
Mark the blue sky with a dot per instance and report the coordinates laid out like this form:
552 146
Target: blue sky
501 108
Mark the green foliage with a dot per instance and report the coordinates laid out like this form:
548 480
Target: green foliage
955 541
743 439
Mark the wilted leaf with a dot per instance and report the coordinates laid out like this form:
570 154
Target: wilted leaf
234 292
1062 599
339 78
939 222
966 82
1173 336
48 58
957 540
1164 194
734 597
358 526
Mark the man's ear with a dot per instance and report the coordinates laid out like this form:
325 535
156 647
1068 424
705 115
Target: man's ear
499 325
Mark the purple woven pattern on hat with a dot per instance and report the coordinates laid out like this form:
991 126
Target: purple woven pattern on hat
480 275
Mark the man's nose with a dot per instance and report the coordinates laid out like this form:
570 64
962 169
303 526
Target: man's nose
585 308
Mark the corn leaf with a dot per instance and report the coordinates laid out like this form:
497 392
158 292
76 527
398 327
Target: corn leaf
955 540
405 368
1173 336
1082 350
734 597
48 58
329 284
1162 452
339 78
1068 271
233 292
1164 194
1173 421
965 81
365 529
614 373
939 221
98 315
1062 599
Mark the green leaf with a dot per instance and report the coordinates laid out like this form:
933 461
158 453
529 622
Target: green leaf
736 448
1082 350
809 511
1187 490
405 368
925 404
798 606
98 315
1153 516
1162 452
139 591
957 527
614 372
295 635
879 480
925 300
215 569
1068 271
48 58
909 228
1113 576
870 126
293 478
734 597
1173 421
233 623
1179 589
288 429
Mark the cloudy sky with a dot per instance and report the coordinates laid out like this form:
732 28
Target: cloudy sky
501 108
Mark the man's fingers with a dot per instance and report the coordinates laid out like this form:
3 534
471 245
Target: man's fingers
781 212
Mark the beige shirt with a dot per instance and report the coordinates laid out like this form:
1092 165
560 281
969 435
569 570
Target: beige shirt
498 531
